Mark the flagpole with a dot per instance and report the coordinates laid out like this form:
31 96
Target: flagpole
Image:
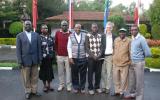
106 12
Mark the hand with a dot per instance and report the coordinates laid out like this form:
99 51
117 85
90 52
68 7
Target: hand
71 61
20 65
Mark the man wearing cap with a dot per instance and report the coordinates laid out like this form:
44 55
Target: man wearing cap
28 50
61 40
121 62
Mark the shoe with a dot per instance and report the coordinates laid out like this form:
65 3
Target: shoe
60 88
91 92
117 94
50 88
36 94
83 91
107 91
27 96
69 89
129 97
98 90
75 91
103 90
45 89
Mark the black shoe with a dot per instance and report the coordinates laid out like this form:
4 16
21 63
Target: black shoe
27 96
36 94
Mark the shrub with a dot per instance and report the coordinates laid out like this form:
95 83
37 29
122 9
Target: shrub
8 41
15 28
155 31
143 29
148 35
153 63
153 43
155 52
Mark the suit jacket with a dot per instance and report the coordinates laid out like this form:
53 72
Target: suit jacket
28 53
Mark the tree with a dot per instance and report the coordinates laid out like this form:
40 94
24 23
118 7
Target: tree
118 22
7 11
154 12
47 8
15 28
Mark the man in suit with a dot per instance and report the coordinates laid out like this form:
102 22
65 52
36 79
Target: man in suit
107 64
28 50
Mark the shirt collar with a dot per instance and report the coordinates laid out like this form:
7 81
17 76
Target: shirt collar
138 35
64 32
28 32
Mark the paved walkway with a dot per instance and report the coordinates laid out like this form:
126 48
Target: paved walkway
12 89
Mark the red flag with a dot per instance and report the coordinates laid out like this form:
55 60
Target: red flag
136 17
71 14
136 12
34 14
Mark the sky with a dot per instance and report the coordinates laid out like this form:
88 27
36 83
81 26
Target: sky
128 2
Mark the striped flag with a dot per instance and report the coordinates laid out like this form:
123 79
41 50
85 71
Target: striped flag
34 14
136 12
106 12
71 14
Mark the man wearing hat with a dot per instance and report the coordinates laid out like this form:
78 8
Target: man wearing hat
121 62
61 40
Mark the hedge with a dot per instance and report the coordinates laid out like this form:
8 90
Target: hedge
153 63
8 41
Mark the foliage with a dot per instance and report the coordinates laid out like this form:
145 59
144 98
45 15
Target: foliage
154 12
8 41
143 29
15 28
155 31
147 35
155 52
153 43
7 11
47 8
118 22
153 62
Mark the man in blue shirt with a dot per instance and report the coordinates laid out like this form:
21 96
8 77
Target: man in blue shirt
139 50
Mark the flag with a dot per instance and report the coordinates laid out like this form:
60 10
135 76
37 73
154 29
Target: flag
106 12
71 14
34 14
136 12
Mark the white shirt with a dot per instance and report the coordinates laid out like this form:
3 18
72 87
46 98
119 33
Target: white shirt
69 45
109 44
28 35
133 38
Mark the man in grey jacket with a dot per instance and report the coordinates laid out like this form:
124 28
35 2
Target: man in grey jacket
28 50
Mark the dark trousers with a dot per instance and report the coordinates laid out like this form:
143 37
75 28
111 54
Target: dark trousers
94 67
79 69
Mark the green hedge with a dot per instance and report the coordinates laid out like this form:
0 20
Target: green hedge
153 62
8 41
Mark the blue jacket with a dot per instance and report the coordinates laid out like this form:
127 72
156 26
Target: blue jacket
28 53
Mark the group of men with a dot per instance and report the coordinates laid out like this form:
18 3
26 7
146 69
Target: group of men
110 62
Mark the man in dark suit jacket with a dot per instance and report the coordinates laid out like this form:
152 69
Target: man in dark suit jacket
28 49
106 81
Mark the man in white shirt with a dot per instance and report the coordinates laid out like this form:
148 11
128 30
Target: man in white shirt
77 59
107 64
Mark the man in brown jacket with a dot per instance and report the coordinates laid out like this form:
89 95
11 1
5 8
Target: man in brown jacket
121 62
